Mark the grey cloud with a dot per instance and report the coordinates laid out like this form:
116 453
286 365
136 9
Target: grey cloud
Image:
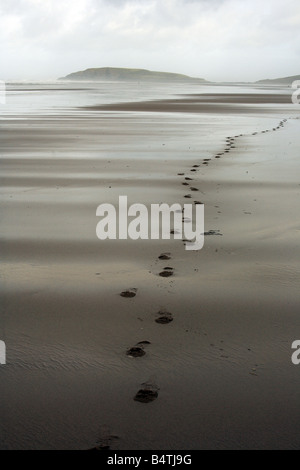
217 39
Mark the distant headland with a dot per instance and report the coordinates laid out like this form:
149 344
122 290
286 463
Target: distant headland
128 75
279 81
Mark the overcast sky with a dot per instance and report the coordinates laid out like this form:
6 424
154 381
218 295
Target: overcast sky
213 39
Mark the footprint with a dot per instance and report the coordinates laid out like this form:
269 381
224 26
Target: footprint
167 272
194 189
188 196
188 179
163 320
129 293
164 256
136 351
148 393
105 440
213 232
145 395
164 317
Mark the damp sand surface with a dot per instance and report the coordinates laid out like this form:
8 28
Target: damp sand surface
102 350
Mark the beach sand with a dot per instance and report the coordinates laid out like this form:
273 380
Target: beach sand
222 367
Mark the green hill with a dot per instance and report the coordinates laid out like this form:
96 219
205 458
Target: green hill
280 81
123 74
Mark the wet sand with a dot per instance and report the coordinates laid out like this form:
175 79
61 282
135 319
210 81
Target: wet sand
203 103
215 370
